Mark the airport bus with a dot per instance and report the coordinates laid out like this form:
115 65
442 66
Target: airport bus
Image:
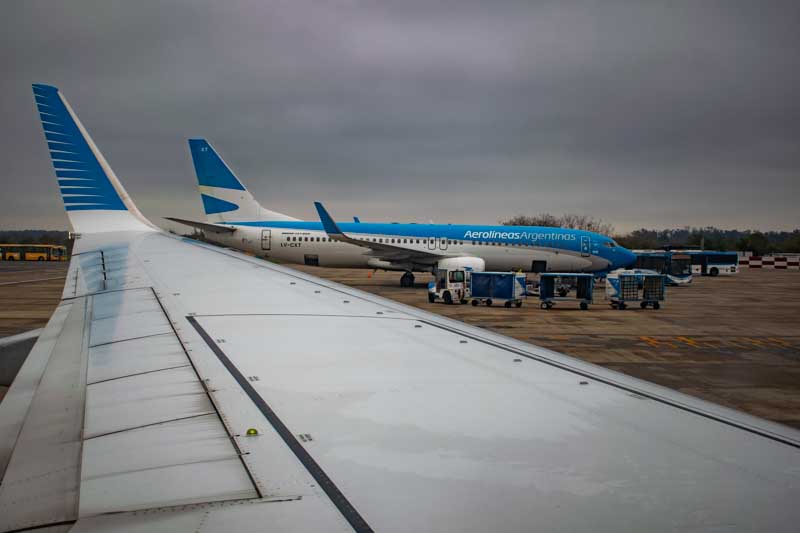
713 263
676 266
33 252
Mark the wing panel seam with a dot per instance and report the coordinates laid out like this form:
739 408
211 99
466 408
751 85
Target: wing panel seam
210 397
326 483
611 383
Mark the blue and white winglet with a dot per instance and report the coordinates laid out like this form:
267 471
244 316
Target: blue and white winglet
94 198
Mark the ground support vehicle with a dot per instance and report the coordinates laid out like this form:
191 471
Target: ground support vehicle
462 286
558 287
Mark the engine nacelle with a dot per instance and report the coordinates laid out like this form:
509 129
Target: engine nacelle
476 264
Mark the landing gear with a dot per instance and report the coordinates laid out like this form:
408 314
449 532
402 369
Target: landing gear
407 280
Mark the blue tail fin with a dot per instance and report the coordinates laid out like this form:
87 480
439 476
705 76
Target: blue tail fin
94 198
211 170
224 197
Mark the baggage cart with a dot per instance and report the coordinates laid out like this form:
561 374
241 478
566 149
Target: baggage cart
624 287
561 287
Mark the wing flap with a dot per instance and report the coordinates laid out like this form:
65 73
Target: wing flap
144 400
162 465
42 481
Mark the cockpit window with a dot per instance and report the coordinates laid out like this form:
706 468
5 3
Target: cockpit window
610 244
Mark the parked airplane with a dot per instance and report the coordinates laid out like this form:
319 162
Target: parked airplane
183 387
235 219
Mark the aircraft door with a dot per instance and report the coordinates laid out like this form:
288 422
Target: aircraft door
443 243
586 246
432 243
266 239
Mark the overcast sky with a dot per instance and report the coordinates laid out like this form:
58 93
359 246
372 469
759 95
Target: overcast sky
642 114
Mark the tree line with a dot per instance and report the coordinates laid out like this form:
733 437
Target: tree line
34 236
710 238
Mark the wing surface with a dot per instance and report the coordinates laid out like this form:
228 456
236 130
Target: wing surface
184 387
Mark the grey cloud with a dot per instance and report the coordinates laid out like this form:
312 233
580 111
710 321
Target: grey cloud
643 114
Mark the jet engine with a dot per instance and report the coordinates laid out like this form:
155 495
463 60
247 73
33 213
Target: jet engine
476 264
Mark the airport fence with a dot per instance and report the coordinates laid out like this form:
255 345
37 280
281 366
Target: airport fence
775 262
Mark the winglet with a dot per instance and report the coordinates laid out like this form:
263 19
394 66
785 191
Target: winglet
94 198
327 222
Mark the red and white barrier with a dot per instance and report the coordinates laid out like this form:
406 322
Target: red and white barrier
774 262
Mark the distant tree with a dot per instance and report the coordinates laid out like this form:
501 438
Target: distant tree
543 219
640 239
792 243
758 243
568 220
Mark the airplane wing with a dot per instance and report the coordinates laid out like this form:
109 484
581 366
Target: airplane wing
183 387
385 251
204 226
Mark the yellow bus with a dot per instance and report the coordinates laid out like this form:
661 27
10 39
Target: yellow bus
33 252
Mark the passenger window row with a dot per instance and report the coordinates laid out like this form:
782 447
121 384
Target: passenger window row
309 239
403 241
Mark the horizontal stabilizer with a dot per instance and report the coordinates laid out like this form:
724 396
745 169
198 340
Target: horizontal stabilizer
205 226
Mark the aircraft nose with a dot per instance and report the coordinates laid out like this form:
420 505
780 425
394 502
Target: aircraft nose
626 259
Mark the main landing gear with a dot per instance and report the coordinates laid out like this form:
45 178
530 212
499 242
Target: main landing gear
407 280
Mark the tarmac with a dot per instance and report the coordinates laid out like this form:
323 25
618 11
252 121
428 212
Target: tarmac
730 340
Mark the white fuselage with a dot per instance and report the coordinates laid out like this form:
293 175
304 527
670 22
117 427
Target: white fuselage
311 247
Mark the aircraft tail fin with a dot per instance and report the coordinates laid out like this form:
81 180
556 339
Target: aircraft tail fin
225 198
94 198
